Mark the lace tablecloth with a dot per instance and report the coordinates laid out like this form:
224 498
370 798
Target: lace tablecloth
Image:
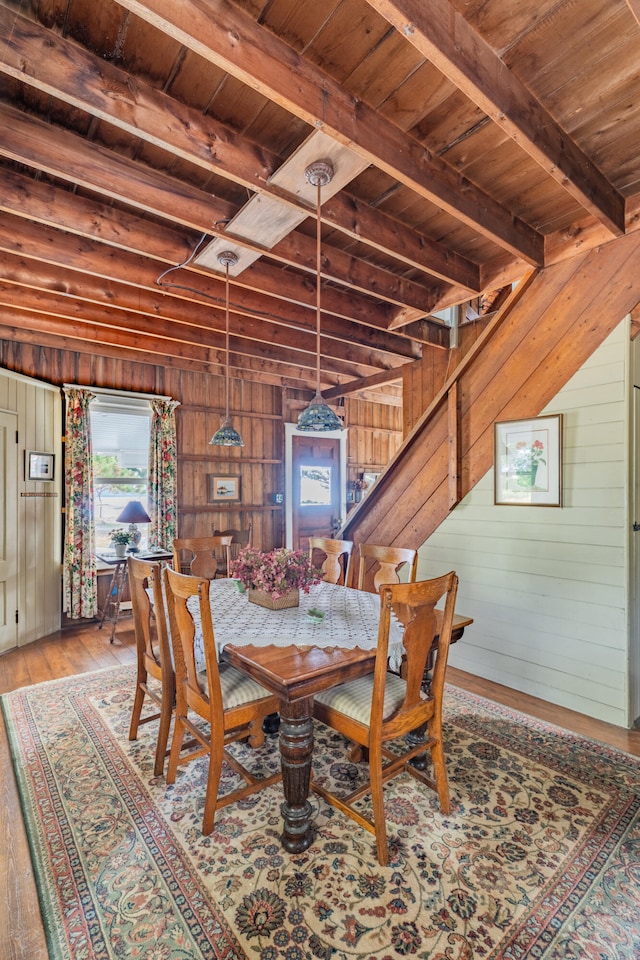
351 620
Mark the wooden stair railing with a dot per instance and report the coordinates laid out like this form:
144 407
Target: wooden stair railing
549 326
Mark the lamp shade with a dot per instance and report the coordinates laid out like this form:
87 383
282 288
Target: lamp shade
227 435
318 417
134 512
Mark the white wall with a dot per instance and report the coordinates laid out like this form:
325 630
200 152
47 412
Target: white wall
38 550
547 587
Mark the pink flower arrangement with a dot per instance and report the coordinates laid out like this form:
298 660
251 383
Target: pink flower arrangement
276 572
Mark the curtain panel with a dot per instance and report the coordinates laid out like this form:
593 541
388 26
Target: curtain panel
163 507
79 575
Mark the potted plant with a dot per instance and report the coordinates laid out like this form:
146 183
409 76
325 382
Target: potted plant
120 538
274 579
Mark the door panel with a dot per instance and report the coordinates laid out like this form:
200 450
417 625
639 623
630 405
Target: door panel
315 488
8 531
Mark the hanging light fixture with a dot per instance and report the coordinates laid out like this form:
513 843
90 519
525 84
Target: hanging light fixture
227 435
318 416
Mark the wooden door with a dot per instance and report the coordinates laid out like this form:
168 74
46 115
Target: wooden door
8 532
315 487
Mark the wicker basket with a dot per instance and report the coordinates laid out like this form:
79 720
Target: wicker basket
291 599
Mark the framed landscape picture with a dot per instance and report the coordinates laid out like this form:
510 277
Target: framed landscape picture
224 487
528 462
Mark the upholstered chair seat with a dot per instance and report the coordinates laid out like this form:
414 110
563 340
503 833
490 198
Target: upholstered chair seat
374 710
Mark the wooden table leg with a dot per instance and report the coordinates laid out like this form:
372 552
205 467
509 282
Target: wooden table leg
296 750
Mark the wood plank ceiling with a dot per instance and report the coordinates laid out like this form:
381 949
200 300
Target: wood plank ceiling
472 139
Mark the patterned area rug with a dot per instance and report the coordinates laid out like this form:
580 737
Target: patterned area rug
540 856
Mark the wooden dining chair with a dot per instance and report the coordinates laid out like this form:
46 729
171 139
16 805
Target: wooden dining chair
232 703
240 540
381 707
383 563
336 564
199 556
153 650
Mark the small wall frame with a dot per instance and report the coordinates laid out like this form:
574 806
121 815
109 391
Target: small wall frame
528 462
224 488
38 466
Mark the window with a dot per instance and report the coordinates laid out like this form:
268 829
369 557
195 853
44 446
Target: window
120 437
315 486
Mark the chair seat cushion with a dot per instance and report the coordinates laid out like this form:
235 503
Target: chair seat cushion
354 698
237 688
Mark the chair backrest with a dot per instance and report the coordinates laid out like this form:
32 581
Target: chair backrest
241 539
386 561
197 556
202 688
150 618
337 555
413 606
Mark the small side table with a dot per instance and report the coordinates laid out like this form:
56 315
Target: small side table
113 604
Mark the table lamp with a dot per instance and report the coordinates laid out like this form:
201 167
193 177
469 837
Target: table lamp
133 514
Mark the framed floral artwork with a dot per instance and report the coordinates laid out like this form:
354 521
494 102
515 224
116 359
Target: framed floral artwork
528 462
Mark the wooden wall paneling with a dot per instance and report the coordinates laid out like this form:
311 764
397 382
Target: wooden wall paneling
258 412
375 432
554 320
421 382
413 389
420 490
562 325
453 410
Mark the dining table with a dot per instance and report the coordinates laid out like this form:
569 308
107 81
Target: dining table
331 637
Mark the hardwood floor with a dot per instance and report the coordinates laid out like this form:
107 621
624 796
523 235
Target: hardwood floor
62 654
86 648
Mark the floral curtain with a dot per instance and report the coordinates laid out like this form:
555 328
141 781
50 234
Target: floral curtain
163 507
79 574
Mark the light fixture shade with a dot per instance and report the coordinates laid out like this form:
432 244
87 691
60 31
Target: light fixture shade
319 417
227 435
134 512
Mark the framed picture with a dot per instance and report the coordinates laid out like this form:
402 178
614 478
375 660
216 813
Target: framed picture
224 487
38 466
528 462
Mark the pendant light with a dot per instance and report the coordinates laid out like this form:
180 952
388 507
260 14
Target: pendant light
318 416
227 435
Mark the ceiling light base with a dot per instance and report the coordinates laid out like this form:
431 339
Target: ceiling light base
319 173
227 258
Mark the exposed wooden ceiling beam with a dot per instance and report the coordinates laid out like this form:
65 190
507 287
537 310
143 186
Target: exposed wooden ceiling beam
230 39
71 158
445 38
33 328
365 383
392 238
43 203
64 252
165 350
66 71
251 338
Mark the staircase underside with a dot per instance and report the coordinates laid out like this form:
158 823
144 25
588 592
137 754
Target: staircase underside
543 335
